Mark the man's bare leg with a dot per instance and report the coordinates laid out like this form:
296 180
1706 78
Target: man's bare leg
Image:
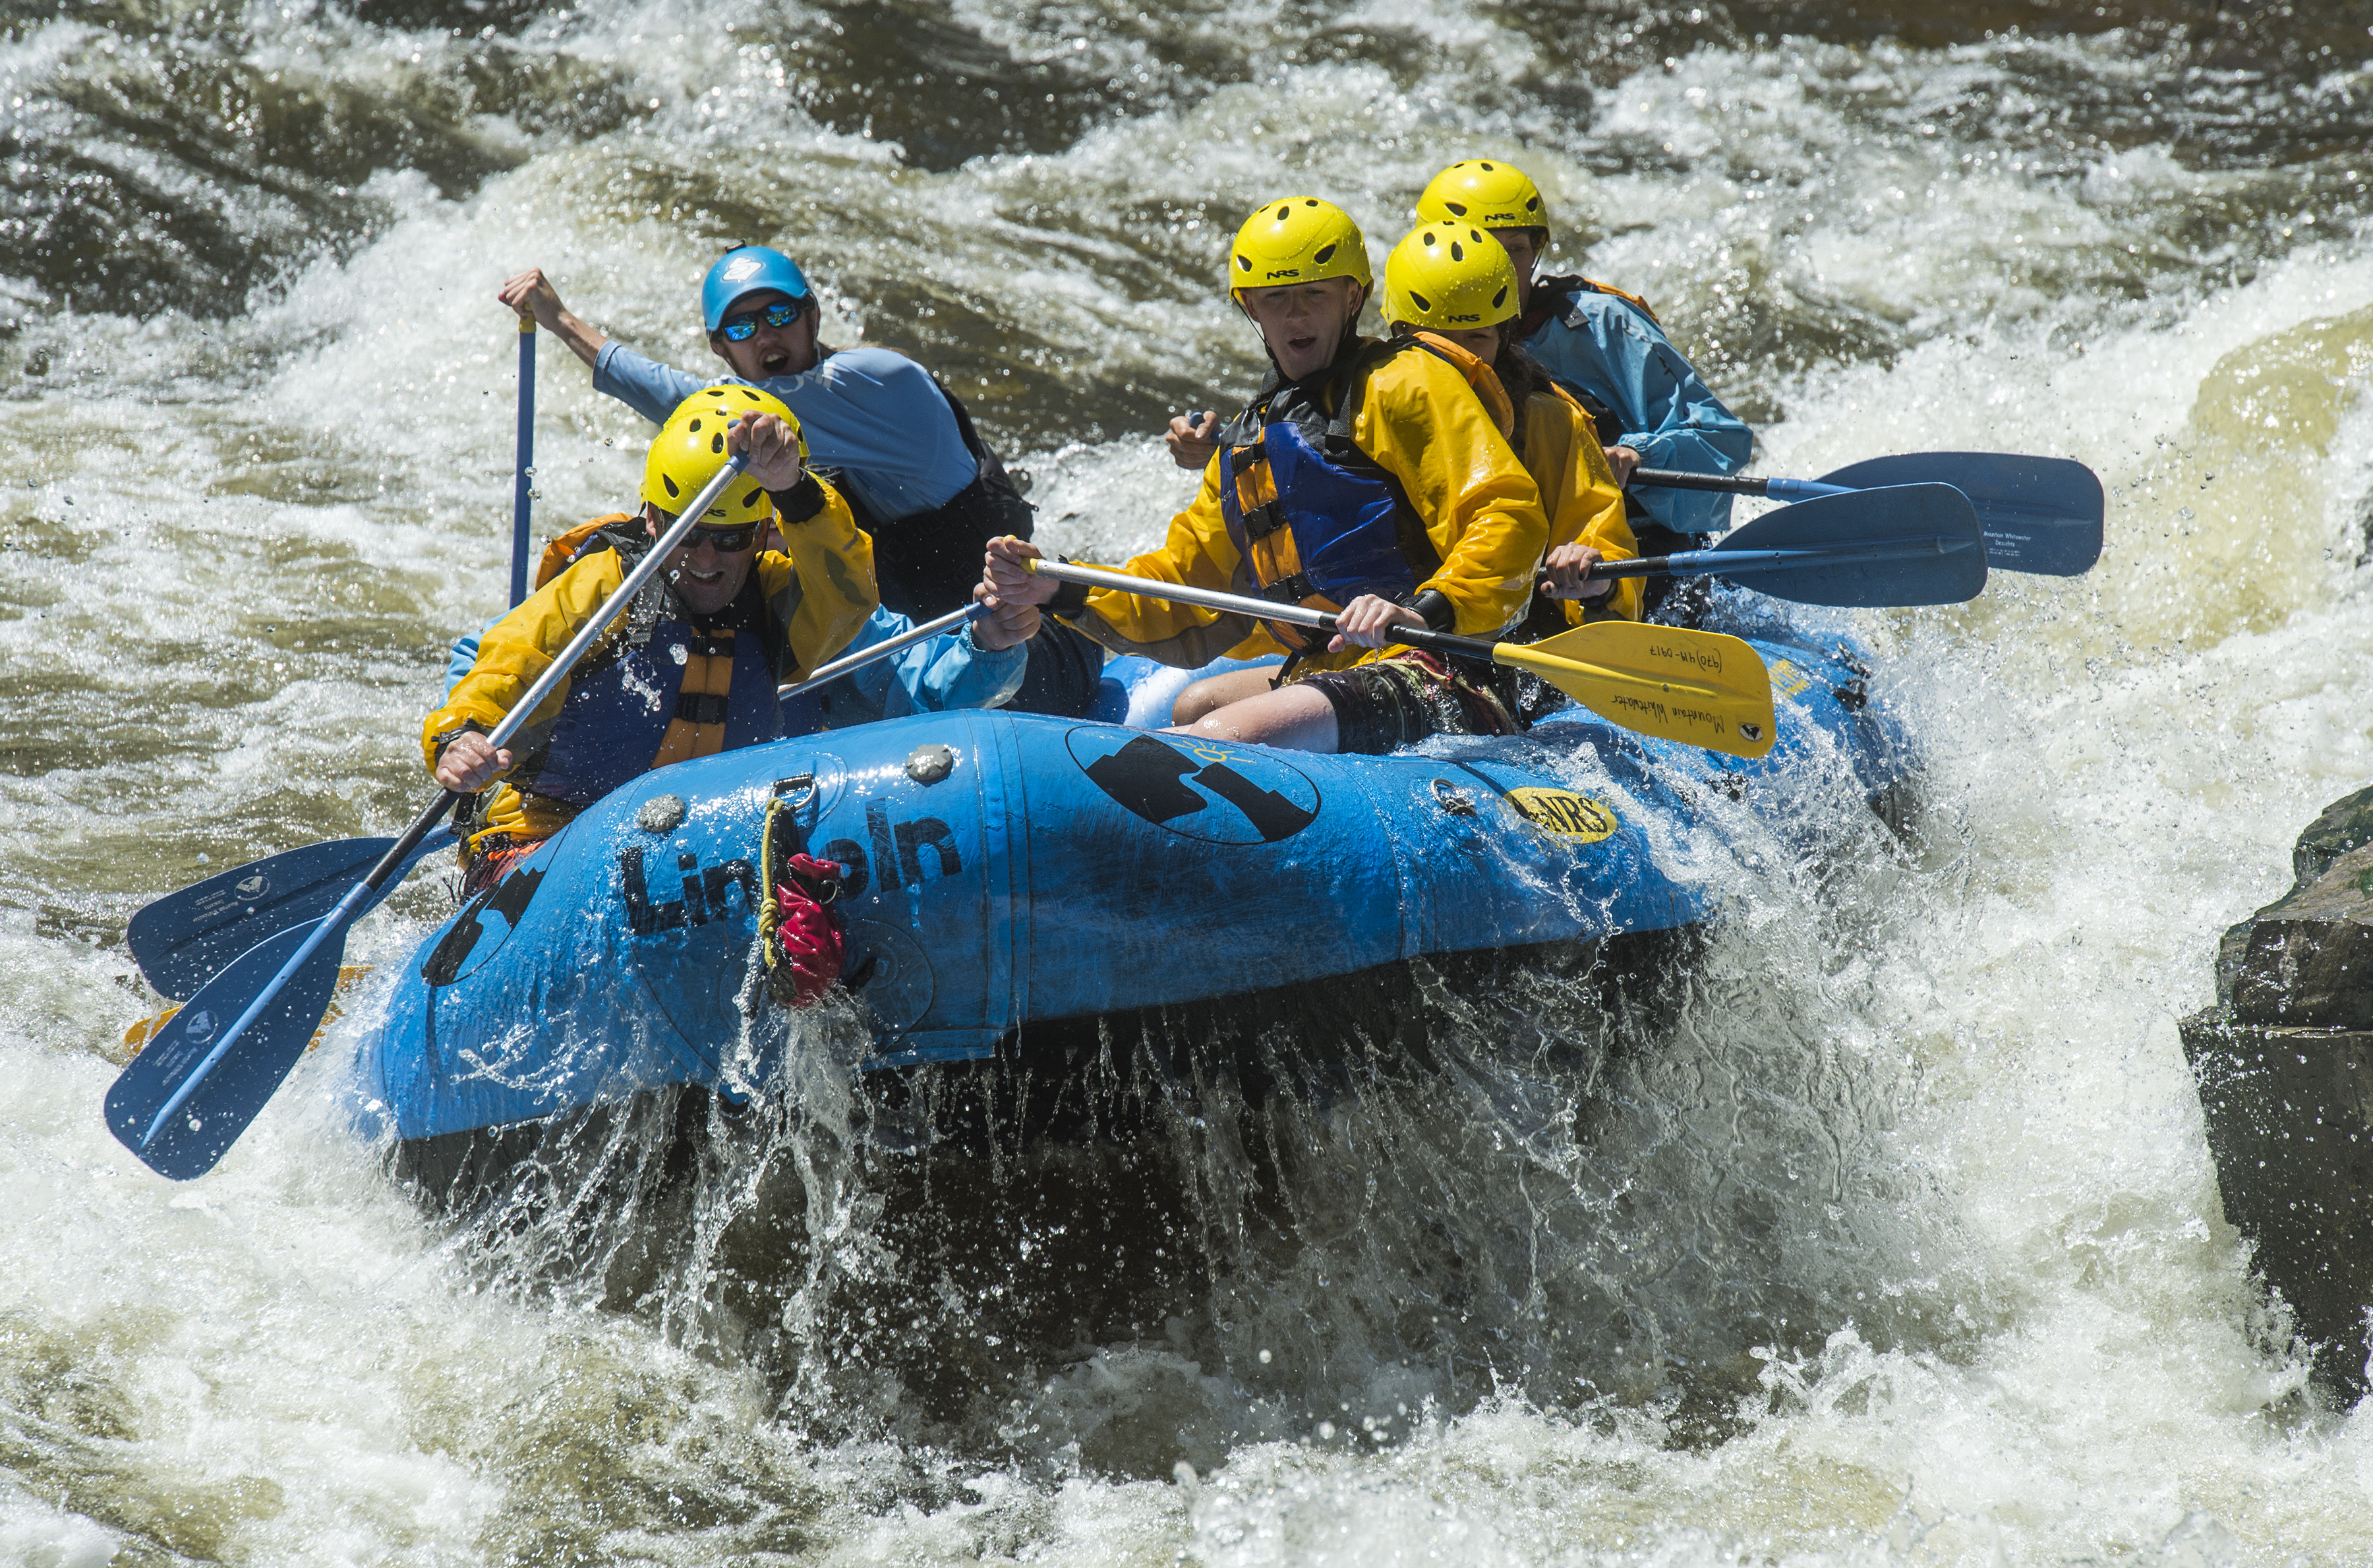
1297 717
1208 697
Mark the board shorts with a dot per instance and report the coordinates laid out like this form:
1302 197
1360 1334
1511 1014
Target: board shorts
1404 697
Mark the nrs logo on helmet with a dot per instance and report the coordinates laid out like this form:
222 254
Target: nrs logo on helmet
1485 192
1300 238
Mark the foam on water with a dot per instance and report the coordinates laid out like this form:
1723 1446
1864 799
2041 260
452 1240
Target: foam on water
1902 1243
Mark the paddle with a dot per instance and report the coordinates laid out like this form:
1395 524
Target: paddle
906 639
1698 688
183 940
522 491
2040 514
1901 546
203 1078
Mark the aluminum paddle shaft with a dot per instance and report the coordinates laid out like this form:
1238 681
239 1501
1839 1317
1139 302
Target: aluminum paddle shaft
882 650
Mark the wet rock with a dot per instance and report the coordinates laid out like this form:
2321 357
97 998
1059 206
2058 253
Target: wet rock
2285 1065
2346 824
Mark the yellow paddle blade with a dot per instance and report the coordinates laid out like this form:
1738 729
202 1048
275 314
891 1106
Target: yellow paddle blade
1700 688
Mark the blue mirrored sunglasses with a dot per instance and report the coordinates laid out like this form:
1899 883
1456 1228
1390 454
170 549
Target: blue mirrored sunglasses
743 327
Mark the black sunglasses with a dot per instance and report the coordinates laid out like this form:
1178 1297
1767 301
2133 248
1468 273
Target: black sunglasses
724 540
743 327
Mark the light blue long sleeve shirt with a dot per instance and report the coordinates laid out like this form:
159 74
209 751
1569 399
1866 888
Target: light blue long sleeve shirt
1603 345
872 414
947 671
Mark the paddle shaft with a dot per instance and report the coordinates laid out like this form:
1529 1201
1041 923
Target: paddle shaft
335 922
1738 484
903 641
1261 609
1294 615
521 485
1709 563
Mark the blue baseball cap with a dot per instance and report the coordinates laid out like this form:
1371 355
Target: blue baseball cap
750 269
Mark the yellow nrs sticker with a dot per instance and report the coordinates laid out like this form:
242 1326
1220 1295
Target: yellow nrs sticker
1564 813
1786 679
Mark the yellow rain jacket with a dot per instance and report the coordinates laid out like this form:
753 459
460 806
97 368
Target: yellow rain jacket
1585 505
1432 432
664 685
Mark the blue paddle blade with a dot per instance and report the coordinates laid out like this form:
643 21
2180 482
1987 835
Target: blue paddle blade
2040 514
228 1098
1901 546
183 940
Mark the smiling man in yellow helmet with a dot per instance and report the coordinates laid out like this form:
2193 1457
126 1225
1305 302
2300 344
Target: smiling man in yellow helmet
1366 477
691 668
1605 346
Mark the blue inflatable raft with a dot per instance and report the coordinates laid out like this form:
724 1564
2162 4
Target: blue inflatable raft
1011 870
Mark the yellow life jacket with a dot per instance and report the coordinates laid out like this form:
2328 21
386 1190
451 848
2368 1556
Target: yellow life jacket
1318 522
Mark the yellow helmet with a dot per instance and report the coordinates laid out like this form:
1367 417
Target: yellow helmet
690 449
1298 240
1450 277
1485 192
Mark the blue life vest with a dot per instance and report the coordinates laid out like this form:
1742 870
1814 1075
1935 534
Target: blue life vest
665 689
1318 522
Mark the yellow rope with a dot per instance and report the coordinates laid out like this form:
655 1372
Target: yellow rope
767 905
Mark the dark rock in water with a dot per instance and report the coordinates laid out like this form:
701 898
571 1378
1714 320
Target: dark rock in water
2285 1065
2346 824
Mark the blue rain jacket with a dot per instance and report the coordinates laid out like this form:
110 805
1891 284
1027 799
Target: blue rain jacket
1607 346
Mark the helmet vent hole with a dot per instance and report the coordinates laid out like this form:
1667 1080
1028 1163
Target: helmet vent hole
1484 167
1246 263
1532 204
1421 302
1456 209
1500 298
694 426
1325 256
751 498
717 443
1428 237
1457 251
673 494
1284 213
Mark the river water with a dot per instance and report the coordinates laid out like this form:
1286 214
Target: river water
1881 1231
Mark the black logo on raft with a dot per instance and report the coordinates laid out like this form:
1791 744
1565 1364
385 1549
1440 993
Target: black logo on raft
1219 794
508 898
896 853
899 854
704 893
